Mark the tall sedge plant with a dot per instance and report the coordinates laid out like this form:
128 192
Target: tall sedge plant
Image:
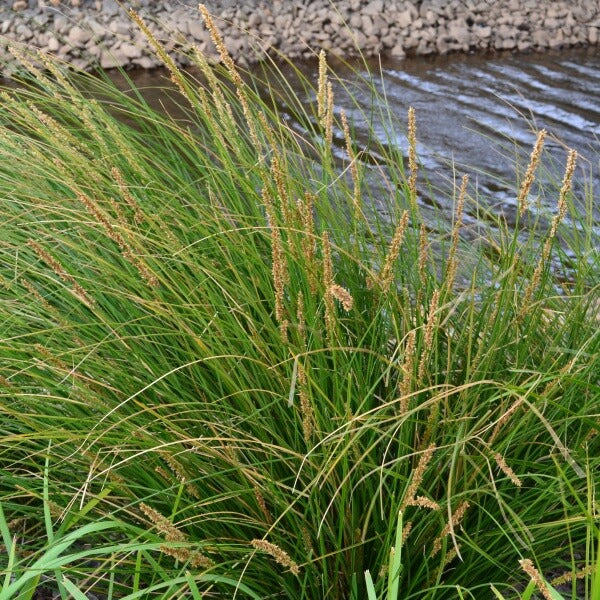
244 368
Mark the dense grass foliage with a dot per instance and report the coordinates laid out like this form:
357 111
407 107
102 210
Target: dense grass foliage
232 367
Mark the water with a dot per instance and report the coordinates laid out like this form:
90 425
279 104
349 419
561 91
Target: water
475 113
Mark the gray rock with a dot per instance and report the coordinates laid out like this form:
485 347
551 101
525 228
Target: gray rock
197 30
110 8
367 25
145 62
459 31
53 44
540 38
443 47
40 20
93 50
483 32
120 27
523 45
82 64
78 36
111 59
398 51
23 32
131 51
374 8
96 28
61 23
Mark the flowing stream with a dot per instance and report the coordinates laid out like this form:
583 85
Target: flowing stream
476 114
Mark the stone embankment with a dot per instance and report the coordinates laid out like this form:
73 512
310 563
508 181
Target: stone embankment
88 33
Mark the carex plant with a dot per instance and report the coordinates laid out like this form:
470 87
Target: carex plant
231 367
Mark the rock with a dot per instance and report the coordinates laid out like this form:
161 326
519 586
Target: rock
111 59
93 50
235 45
430 17
540 38
61 23
374 8
53 44
442 45
404 19
78 37
367 25
459 30
255 19
146 62
355 21
23 32
118 27
483 32
523 45
506 32
110 8
298 28
424 47
96 28
40 20
81 64
197 30
557 40
130 50
398 51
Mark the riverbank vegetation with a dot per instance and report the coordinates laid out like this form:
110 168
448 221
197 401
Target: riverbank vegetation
233 366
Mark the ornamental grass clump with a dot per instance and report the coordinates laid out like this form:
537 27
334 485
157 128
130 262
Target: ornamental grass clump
229 370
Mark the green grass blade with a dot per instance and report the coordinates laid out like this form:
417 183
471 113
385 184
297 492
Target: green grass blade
371 594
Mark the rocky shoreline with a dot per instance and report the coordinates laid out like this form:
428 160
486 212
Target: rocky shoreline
91 33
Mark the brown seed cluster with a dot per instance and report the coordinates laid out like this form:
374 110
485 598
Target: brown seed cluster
432 321
529 568
353 167
61 272
458 221
233 73
119 240
417 478
281 556
387 273
506 469
174 535
454 522
412 157
342 295
534 160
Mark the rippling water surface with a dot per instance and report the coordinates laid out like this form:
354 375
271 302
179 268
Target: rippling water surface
475 113
479 114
